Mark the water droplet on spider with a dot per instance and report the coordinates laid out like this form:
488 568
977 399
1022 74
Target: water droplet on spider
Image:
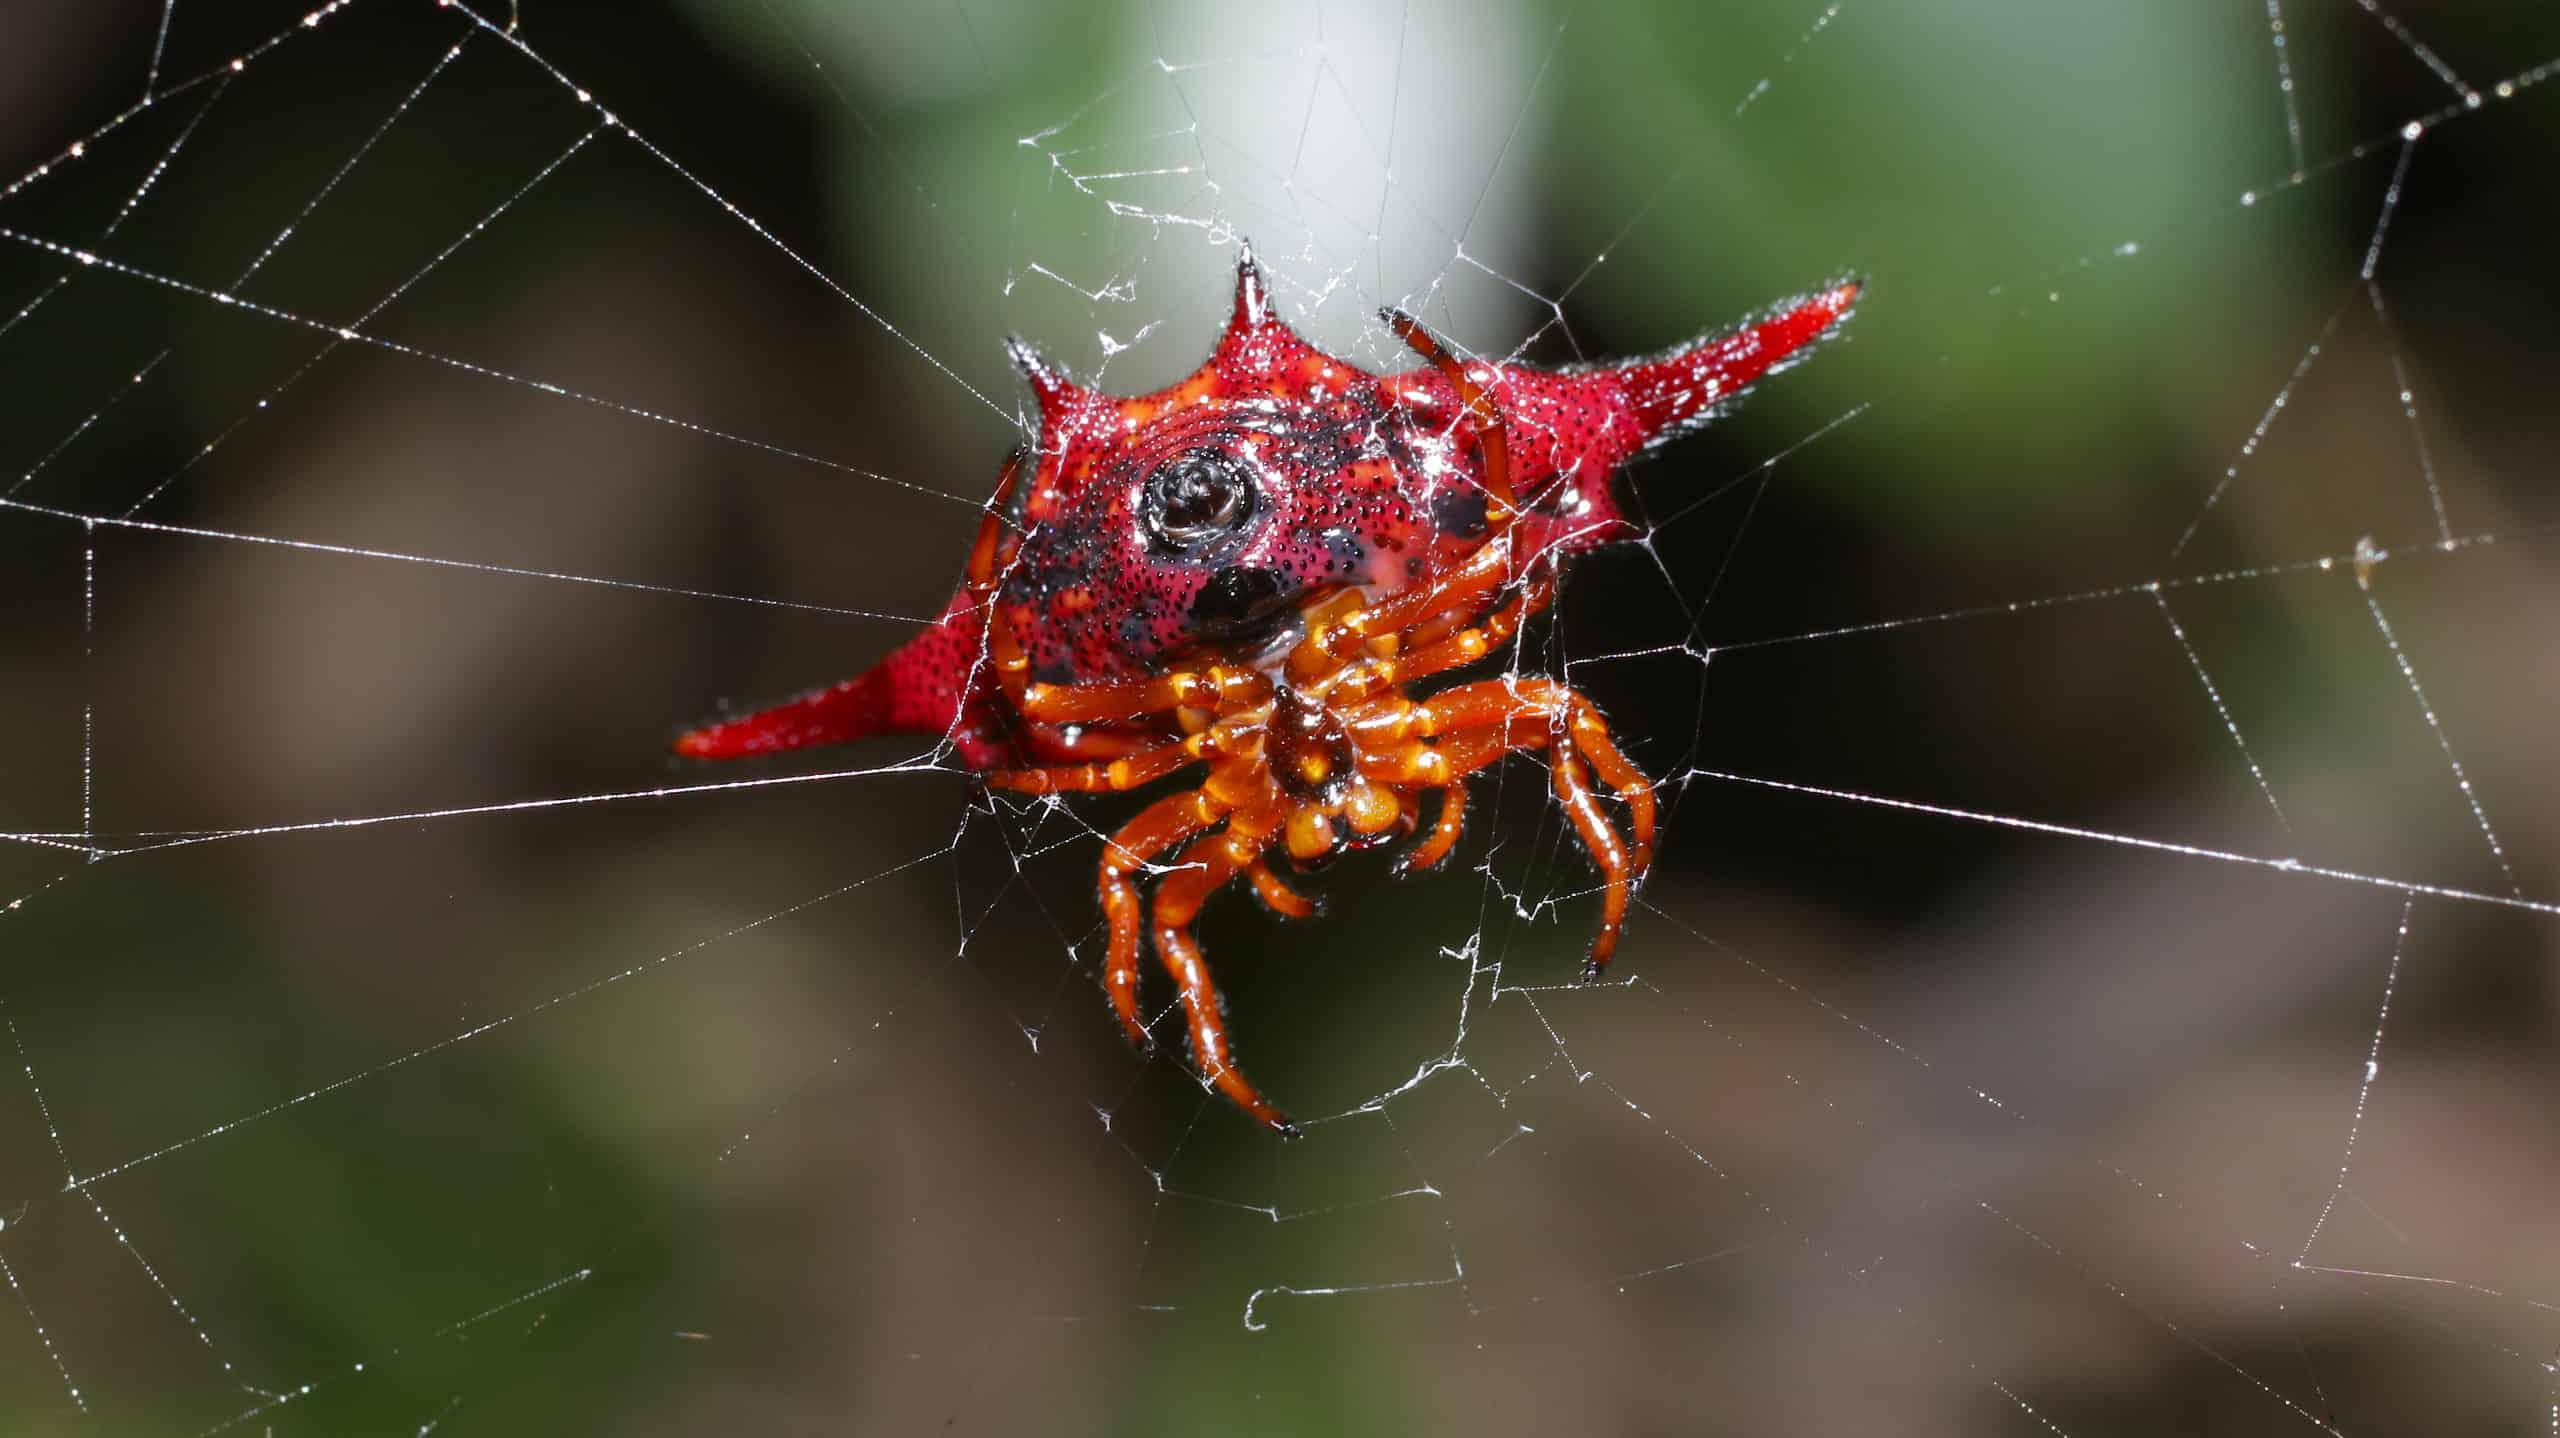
2371 1068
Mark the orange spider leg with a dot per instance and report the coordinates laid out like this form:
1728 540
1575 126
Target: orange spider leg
1158 827
1080 742
1468 713
1013 671
1276 895
1432 765
1429 631
1205 867
1599 839
1464 586
1462 755
1446 830
1449 640
1218 686
1113 776
1492 437
1434 630
1391 719
1582 738
1470 644
1633 787
980 576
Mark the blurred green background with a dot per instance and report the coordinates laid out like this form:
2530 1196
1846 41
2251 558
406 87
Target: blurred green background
795 1108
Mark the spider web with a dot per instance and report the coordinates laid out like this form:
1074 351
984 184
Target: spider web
2100 974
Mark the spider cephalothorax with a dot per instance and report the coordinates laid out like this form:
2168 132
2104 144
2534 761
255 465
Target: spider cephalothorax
1250 571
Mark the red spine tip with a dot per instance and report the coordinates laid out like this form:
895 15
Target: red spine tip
852 710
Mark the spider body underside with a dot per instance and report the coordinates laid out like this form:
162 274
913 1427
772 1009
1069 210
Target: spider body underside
1244 578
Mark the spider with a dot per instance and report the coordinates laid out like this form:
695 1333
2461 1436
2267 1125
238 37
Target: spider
1246 576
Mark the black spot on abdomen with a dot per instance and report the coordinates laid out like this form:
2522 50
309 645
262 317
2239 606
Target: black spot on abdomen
1459 512
1234 597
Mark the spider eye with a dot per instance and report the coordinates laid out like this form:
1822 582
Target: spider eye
1196 497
